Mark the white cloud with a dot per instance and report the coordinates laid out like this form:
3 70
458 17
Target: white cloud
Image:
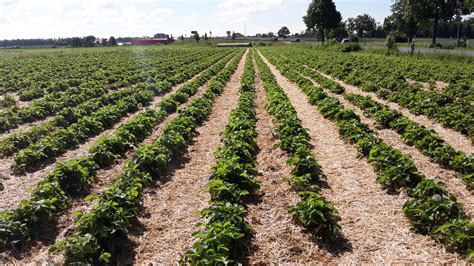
162 11
8 2
44 20
240 20
191 17
246 7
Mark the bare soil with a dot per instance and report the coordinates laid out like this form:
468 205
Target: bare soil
373 225
439 85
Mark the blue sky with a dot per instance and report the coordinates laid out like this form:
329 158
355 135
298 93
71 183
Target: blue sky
104 18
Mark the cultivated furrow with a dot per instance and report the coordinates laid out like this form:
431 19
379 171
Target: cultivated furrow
276 238
372 220
457 140
17 188
171 210
423 163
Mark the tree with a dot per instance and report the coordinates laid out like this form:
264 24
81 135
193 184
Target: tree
407 16
469 5
196 36
284 32
322 15
76 42
89 41
205 37
112 41
363 25
437 10
339 32
233 36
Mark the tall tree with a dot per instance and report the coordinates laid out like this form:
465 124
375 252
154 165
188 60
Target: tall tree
437 10
197 38
205 37
407 16
284 32
469 5
322 15
362 24
112 41
76 42
89 41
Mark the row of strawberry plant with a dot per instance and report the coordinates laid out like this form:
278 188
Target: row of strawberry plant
428 142
457 75
327 83
314 212
70 115
100 230
7 101
431 210
232 179
33 76
59 141
109 148
19 140
110 82
43 105
456 113
51 103
52 195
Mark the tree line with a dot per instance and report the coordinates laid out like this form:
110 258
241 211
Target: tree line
409 18
87 41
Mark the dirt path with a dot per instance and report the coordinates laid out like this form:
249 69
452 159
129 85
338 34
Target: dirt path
457 140
16 98
276 238
423 163
170 211
17 187
19 102
439 85
372 220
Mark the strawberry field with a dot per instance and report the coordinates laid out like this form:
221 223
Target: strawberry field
284 154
